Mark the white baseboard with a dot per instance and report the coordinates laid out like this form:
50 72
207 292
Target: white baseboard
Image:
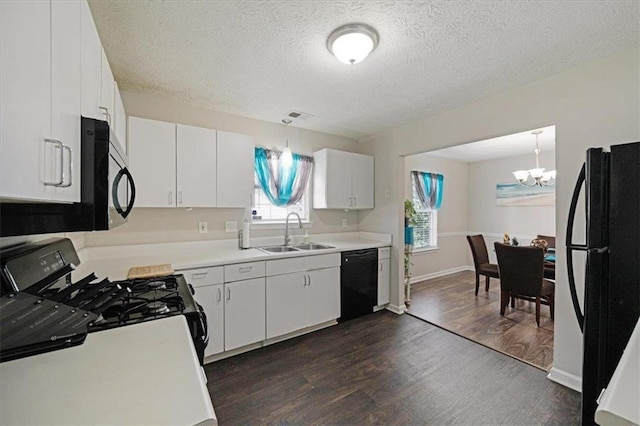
397 309
442 273
565 379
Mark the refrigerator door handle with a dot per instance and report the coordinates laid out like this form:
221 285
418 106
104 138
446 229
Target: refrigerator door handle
571 247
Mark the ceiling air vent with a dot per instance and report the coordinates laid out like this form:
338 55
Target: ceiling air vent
298 115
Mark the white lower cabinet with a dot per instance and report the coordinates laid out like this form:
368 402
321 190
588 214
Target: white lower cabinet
244 314
383 275
212 301
302 292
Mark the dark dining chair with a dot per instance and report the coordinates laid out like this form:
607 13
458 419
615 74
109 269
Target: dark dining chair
481 261
522 276
549 270
551 240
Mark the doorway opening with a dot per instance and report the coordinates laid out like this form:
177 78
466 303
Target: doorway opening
442 274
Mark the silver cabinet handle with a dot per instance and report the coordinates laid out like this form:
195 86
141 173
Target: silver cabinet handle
244 269
105 111
379 266
180 197
309 276
199 275
58 144
228 293
219 295
305 280
70 151
355 201
170 198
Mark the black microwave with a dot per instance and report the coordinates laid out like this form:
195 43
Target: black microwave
107 191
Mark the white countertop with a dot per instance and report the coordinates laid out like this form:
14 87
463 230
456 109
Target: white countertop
620 402
146 373
113 262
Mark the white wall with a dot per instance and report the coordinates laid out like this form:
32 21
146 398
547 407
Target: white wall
451 254
593 105
153 225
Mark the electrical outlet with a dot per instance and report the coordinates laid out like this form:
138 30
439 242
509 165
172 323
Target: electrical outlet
231 226
344 223
386 194
203 227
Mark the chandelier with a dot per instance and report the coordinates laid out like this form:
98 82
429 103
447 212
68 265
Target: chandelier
538 175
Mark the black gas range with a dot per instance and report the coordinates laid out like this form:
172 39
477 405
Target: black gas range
41 309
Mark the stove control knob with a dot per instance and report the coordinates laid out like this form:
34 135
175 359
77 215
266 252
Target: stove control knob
193 291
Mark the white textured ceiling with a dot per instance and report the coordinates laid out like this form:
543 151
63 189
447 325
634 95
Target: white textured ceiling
262 59
500 147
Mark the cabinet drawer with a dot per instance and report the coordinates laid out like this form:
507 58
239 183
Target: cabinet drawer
243 271
301 264
384 253
201 277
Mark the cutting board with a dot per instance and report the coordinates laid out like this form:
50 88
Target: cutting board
150 271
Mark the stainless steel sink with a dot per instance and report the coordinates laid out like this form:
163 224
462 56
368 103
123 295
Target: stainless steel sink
277 249
312 246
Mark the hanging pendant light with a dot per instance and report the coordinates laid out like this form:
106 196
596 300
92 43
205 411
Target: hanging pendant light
287 156
539 176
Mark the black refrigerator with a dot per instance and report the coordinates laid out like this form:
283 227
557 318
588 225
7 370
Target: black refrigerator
611 304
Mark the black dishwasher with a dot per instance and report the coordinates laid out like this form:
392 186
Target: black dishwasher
358 283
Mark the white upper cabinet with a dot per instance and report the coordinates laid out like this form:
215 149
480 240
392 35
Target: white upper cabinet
39 62
65 93
152 157
120 119
196 166
175 165
235 170
342 180
91 58
107 92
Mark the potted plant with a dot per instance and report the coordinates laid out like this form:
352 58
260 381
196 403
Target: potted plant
409 223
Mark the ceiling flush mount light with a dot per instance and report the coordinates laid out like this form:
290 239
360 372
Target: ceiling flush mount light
352 43
539 176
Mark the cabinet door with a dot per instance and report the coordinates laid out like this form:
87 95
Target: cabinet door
235 170
323 295
25 102
91 59
120 119
152 157
383 281
286 303
244 313
210 297
65 94
195 166
338 177
107 84
362 181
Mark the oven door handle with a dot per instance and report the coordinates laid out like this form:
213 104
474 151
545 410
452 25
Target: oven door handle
114 192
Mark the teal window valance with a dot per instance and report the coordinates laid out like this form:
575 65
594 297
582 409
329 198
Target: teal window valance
429 187
283 184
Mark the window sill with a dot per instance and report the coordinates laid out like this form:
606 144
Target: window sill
425 249
279 224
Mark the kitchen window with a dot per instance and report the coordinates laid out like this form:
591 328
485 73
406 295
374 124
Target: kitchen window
425 232
265 212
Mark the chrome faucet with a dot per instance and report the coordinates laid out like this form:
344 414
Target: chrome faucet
286 227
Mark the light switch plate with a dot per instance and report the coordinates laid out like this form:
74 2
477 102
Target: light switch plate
231 226
344 223
203 227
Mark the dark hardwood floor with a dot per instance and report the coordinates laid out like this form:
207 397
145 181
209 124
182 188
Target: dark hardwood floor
385 369
450 302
